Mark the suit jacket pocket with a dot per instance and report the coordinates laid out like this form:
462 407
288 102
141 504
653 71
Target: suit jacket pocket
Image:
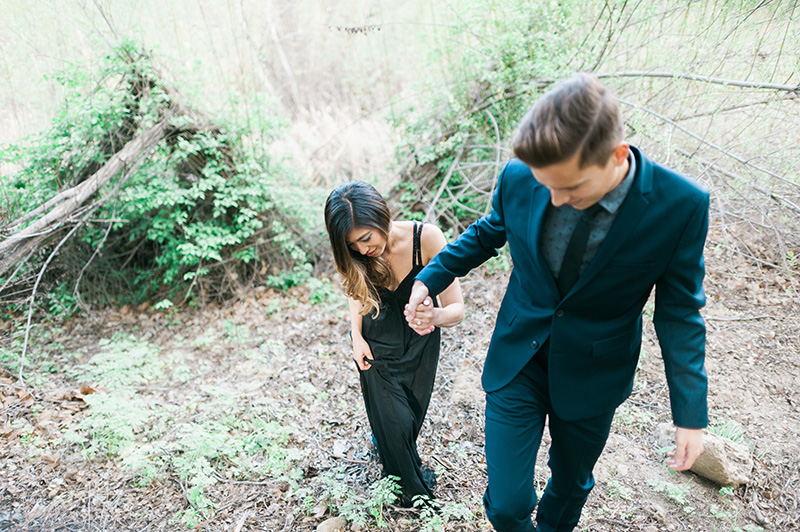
508 313
620 345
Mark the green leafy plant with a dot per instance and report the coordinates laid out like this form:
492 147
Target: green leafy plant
117 420
122 361
434 517
235 333
382 493
631 415
10 355
725 510
356 508
203 196
732 430
323 291
500 263
674 492
719 512
299 275
230 435
617 490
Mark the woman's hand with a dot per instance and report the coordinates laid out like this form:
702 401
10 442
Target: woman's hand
422 319
362 354
420 313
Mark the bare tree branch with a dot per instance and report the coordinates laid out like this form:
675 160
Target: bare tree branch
497 162
442 187
33 297
706 142
706 79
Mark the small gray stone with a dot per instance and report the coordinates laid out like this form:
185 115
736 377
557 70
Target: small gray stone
658 512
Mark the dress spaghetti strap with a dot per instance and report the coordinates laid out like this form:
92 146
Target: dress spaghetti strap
417 258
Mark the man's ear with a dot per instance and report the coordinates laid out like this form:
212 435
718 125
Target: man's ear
620 153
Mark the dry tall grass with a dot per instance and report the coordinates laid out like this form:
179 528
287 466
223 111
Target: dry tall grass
333 66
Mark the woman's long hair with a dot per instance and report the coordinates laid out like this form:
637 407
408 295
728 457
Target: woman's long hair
357 205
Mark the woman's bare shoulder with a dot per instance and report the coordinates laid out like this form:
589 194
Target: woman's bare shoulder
405 226
431 235
431 242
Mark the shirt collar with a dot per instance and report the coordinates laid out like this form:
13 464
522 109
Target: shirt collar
614 198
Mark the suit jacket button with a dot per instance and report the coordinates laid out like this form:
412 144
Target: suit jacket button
559 313
534 344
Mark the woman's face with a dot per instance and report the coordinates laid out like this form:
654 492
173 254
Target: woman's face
366 241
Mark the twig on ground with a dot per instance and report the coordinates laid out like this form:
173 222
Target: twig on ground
744 318
756 510
240 522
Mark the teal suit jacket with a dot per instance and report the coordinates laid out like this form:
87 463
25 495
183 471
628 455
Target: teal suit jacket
595 331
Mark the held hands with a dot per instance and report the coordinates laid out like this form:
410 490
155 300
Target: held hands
688 446
362 354
420 311
422 322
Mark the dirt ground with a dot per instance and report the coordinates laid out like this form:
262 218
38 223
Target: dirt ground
753 363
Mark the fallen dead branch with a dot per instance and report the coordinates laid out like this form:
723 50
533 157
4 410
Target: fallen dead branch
56 211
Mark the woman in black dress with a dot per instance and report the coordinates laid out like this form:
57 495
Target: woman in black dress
377 259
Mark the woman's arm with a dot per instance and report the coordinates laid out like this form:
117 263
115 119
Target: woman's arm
451 309
362 354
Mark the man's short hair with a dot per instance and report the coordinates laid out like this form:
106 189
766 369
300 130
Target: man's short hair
578 115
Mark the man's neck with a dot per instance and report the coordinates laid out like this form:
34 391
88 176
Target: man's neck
622 171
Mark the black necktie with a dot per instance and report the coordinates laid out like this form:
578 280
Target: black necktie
573 257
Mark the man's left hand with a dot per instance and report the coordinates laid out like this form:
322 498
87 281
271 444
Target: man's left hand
688 446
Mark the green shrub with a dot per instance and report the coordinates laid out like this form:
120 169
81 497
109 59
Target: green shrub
505 54
196 216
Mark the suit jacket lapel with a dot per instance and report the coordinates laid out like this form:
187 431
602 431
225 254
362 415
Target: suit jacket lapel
539 201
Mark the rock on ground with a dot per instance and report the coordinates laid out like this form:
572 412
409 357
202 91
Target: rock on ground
334 524
723 461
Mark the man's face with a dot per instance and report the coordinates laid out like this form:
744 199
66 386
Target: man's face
580 188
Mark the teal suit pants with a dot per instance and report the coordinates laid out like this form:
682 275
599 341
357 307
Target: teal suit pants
515 420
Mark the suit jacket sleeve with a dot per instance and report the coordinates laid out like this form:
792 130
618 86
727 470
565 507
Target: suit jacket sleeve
475 246
680 327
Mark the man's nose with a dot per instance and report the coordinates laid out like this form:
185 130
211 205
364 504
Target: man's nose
558 198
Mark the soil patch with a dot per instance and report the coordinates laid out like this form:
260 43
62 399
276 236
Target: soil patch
292 357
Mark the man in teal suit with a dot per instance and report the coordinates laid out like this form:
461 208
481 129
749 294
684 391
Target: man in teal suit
592 226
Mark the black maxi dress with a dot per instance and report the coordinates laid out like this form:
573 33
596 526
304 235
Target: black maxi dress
397 388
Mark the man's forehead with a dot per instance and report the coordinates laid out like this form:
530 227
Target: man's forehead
558 177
